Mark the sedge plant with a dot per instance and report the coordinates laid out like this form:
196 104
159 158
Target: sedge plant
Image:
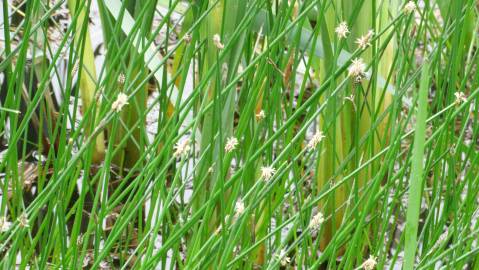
171 134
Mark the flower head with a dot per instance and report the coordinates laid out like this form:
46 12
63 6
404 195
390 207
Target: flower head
23 220
363 42
187 38
121 79
217 42
283 257
410 7
267 172
4 224
370 263
231 144
342 30
182 148
120 101
104 265
316 221
75 68
317 138
357 69
239 208
260 116
460 98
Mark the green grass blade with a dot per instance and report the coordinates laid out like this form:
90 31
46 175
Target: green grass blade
417 172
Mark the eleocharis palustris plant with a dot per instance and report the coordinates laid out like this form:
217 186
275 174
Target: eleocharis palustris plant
220 134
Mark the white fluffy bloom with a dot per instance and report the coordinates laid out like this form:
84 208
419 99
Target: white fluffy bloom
231 144
239 208
283 257
182 148
121 79
75 68
410 7
364 41
23 220
267 172
460 98
120 101
342 30
357 69
370 263
317 138
217 42
104 265
187 38
316 221
4 224
260 116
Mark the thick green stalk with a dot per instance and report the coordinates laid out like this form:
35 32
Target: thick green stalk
332 150
87 73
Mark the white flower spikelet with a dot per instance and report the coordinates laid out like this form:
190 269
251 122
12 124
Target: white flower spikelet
357 69
187 38
120 102
23 221
370 263
283 257
231 144
104 265
460 98
239 208
75 68
4 224
342 30
217 42
121 79
410 7
364 41
260 116
182 148
316 221
317 138
267 172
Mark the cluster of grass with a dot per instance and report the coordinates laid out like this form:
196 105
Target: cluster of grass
298 134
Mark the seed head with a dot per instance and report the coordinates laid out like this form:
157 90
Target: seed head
260 116
267 172
370 263
231 144
80 239
187 38
217 42
410 7
104 265
4 224
75 68
283 257
182 148
357 69
121 79
239 208
317 138
316 221
460 98
363 42
120 101
23 221
342 30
